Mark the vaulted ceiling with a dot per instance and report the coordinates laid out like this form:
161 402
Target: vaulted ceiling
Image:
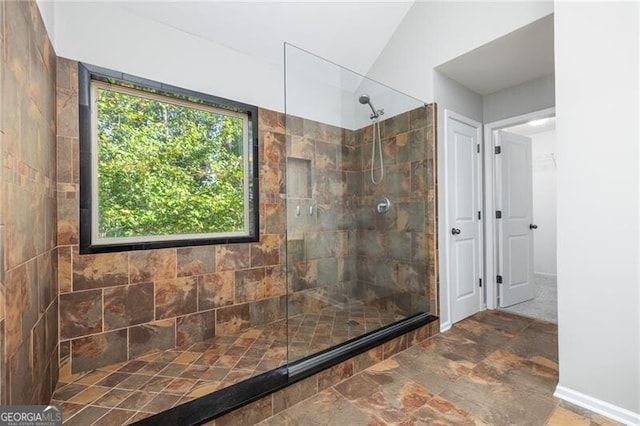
352 33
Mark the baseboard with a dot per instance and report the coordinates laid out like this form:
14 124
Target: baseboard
546 275
614 412
445 326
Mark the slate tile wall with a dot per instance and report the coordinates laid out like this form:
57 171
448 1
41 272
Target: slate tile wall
28 272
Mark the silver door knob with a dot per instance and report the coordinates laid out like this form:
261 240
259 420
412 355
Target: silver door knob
532 226
455 231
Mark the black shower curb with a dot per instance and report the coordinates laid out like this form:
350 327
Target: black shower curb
219 403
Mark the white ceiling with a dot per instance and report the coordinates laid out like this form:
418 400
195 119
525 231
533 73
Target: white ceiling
520 56
350 33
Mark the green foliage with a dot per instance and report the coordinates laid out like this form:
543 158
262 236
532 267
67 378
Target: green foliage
166 169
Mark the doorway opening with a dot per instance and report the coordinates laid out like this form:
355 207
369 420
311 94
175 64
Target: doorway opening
520 167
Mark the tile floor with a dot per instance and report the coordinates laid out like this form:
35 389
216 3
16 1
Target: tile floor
544 304
132 390
494 368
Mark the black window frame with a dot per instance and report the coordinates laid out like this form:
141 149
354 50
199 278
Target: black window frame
87 73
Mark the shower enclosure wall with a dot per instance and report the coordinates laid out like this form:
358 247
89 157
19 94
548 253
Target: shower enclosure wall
345 265
353 268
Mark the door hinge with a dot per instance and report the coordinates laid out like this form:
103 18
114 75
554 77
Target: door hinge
498 214
478 148
499 279
498 150
480 279
479 215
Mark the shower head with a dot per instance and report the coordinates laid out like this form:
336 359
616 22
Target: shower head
365 100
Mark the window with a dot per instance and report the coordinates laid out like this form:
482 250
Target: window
163 166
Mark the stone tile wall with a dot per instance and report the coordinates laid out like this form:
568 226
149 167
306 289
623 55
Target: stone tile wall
28 277
396 258
117 306
343 247
120 305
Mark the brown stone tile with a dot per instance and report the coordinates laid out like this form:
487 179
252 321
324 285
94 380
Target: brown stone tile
90 394
455 343
523 373
150 337
233 257
295 393
99 270
564 413
216 290
64 269
271 120
430 369
87 416
161 403
274 281
232 319
273 146
477 394
195 261
156 384
385 395
93 377
128 305
249 414
67 392
481 333
267 310
195 327
394 346
68 220
267 251
88 353
112 398
329 406
152 265
179 386
440 411
136 399
80 313
133 382
176 297
68 408
115 417
335 374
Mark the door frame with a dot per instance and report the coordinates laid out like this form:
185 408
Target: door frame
490 181
444 254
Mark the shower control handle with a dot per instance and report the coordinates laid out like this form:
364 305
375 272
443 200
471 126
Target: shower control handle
455 231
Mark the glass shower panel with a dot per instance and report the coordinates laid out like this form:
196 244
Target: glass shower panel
357 200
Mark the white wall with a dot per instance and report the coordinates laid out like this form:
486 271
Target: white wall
434 32
450 95
109 35
103 34
598 193
534 95
544 203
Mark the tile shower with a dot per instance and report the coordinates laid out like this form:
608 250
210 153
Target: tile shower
156 328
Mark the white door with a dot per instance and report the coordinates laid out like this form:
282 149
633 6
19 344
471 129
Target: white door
516 236
463 222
